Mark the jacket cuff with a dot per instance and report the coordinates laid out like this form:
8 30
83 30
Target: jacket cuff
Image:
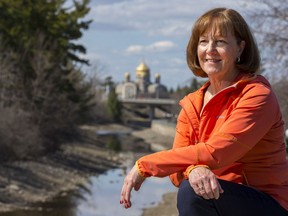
192 167
139 170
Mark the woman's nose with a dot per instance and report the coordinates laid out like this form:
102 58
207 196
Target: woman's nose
211 47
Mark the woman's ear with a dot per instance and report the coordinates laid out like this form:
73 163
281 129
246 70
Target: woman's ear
241 47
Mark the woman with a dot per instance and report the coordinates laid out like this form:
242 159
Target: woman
228 155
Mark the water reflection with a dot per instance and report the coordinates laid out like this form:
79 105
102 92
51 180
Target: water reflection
114 143
100 197
105 193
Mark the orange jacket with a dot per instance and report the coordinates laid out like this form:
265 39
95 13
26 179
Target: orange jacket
239 135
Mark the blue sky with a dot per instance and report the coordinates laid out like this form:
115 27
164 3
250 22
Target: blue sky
126 32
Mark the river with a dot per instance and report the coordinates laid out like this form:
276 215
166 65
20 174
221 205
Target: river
100 196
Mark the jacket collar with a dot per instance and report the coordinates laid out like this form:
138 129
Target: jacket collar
240 80
193 101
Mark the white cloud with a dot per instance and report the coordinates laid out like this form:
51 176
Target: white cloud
159 46
122 31
168 17
134 49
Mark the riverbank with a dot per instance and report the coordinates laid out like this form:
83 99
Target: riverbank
23 184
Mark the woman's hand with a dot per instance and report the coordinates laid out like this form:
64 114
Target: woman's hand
132 180
205 183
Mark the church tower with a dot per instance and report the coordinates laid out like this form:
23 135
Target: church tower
143 77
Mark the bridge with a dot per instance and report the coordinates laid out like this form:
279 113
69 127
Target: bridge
152 103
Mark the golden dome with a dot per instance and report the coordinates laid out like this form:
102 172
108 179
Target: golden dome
127 74
142 67
142 70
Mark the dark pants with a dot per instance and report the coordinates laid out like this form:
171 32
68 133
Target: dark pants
237 200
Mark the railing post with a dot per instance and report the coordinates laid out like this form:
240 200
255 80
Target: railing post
151 112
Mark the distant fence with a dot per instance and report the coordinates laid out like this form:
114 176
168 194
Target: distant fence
152 103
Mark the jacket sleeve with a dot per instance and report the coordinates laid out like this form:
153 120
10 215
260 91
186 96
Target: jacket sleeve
253 115
182 139
182 135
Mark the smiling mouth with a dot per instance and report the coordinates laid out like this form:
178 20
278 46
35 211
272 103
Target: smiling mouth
212 60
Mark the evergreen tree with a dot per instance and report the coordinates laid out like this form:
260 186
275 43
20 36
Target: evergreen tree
114 107
21 22
40 73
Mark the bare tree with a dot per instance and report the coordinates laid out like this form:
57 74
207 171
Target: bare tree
281 89
269 21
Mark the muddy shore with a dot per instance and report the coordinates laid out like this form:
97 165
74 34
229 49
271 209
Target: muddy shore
26 183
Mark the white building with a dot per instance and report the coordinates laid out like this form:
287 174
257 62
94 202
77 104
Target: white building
142 87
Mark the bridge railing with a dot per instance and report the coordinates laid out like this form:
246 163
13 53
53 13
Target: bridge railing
149 101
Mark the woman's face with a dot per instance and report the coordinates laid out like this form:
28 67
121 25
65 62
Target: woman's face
217 54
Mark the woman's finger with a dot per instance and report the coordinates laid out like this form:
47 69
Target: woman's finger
128 190
132 180
201 191
208 188
215 188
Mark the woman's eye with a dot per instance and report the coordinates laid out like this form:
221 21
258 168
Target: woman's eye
220 42
203 42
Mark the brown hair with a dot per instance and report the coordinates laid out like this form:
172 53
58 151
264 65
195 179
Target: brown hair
224 20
